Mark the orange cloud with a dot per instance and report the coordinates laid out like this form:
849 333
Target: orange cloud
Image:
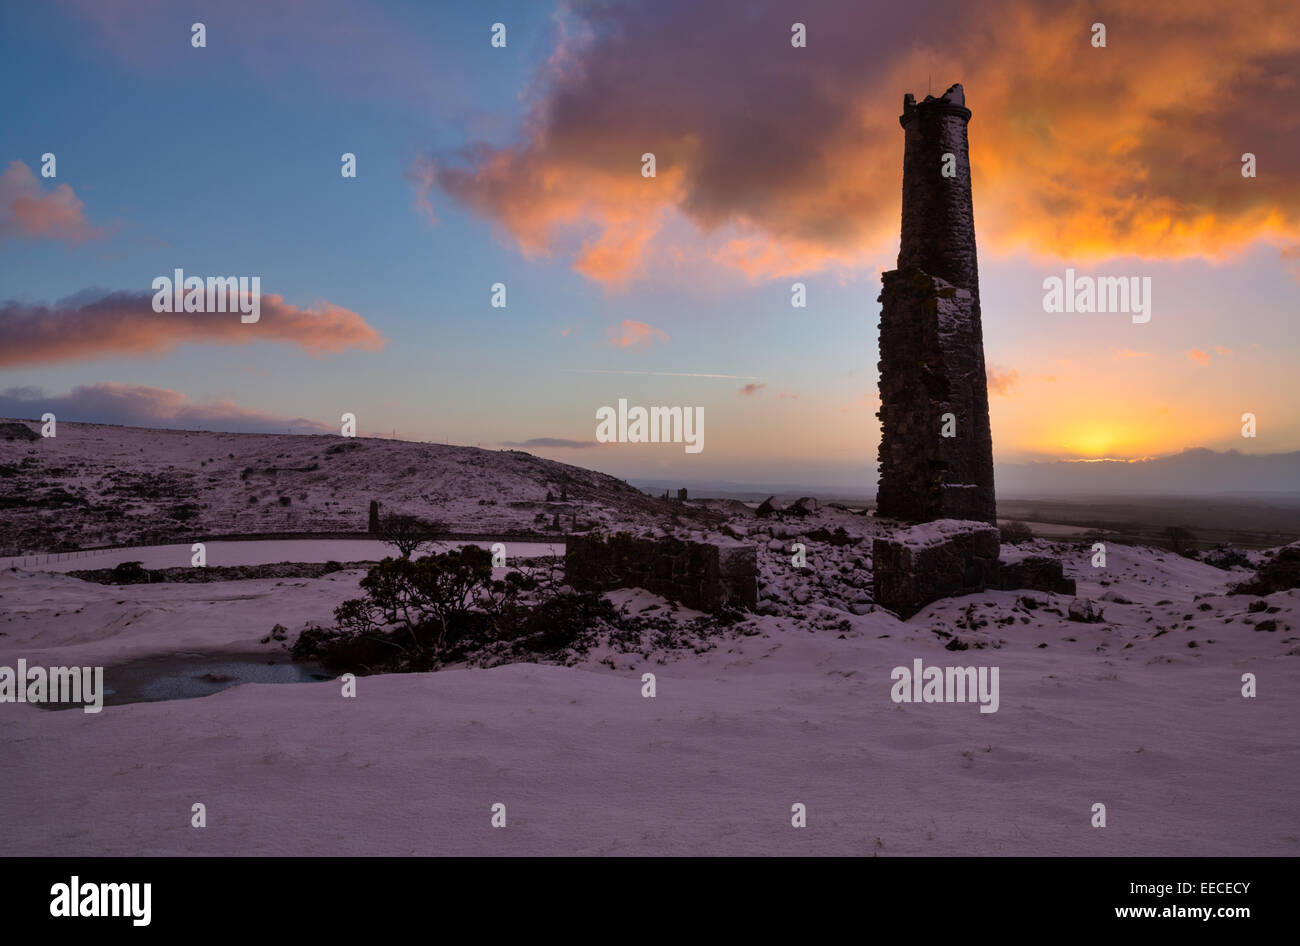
29 211
1198 356
773 162
124 324
1001 382
635 335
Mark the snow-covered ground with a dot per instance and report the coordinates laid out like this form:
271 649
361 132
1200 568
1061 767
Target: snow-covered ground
257 552
1142 712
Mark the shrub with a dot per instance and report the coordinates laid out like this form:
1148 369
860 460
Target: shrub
425 597
409 533
185 512
130 573
1179 539
417 615
1015 532
1225 556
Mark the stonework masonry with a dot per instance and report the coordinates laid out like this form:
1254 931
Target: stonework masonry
706 576
942 559
931 339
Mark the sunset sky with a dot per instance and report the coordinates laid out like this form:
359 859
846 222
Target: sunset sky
522 165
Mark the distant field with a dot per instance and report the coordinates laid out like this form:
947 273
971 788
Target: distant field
1246 523
1139 520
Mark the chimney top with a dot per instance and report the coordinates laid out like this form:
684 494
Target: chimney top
953 101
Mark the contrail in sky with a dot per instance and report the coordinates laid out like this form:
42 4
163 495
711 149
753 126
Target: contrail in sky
666 374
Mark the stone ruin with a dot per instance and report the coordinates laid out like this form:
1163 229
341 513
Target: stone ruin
707 576
931 340
936 447
940 559
952 557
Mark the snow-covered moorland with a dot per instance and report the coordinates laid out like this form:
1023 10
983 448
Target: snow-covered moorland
1141 711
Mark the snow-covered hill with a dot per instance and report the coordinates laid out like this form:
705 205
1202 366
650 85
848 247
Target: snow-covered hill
98 484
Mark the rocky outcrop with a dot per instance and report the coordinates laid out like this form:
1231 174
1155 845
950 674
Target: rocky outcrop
1037 573
12 430
1085 610
1280 573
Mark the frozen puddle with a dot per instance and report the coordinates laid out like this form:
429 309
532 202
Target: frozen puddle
184 677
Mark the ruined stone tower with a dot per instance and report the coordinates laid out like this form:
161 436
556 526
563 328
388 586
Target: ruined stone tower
931 342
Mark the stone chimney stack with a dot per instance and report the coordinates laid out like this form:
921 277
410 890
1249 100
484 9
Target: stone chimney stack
936 449
938 220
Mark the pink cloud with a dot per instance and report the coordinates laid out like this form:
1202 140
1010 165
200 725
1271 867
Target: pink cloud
124 324
1198 356
751 389
135 405
635 335
28 211
423 175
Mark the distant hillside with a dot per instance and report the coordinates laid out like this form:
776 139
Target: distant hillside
1193 472
1196 471
99 484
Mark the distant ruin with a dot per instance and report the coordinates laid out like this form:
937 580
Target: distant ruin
936 450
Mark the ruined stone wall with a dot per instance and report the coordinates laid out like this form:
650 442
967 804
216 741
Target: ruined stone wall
700 575
931 338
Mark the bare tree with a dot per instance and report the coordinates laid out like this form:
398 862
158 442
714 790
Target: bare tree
1179 539
409 533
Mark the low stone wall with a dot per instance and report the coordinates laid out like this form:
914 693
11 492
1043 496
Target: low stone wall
702 575
940 559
